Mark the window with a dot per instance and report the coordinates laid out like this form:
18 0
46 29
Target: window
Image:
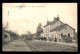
52 34
5 36
68 34
48 28
61 34
46 34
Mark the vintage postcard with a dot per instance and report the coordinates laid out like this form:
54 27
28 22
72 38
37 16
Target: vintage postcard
39 27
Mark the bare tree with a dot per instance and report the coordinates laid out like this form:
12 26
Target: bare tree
5 26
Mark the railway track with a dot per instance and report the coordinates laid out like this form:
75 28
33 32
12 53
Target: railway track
46 46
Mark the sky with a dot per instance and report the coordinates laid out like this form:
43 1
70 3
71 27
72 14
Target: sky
23 17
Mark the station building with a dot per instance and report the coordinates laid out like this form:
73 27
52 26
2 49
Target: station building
57 29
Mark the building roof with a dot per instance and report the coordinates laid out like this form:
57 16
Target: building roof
58 28
47 24
6 33
50 23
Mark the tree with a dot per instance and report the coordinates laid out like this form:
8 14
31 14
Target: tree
5 26
75 36
39 29
29 35
13 34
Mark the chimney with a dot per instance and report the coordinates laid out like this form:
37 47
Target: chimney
56 18
47 22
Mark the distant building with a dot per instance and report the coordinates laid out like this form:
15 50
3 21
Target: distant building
56 29
6 37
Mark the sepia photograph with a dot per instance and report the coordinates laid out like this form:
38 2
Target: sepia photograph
39 27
